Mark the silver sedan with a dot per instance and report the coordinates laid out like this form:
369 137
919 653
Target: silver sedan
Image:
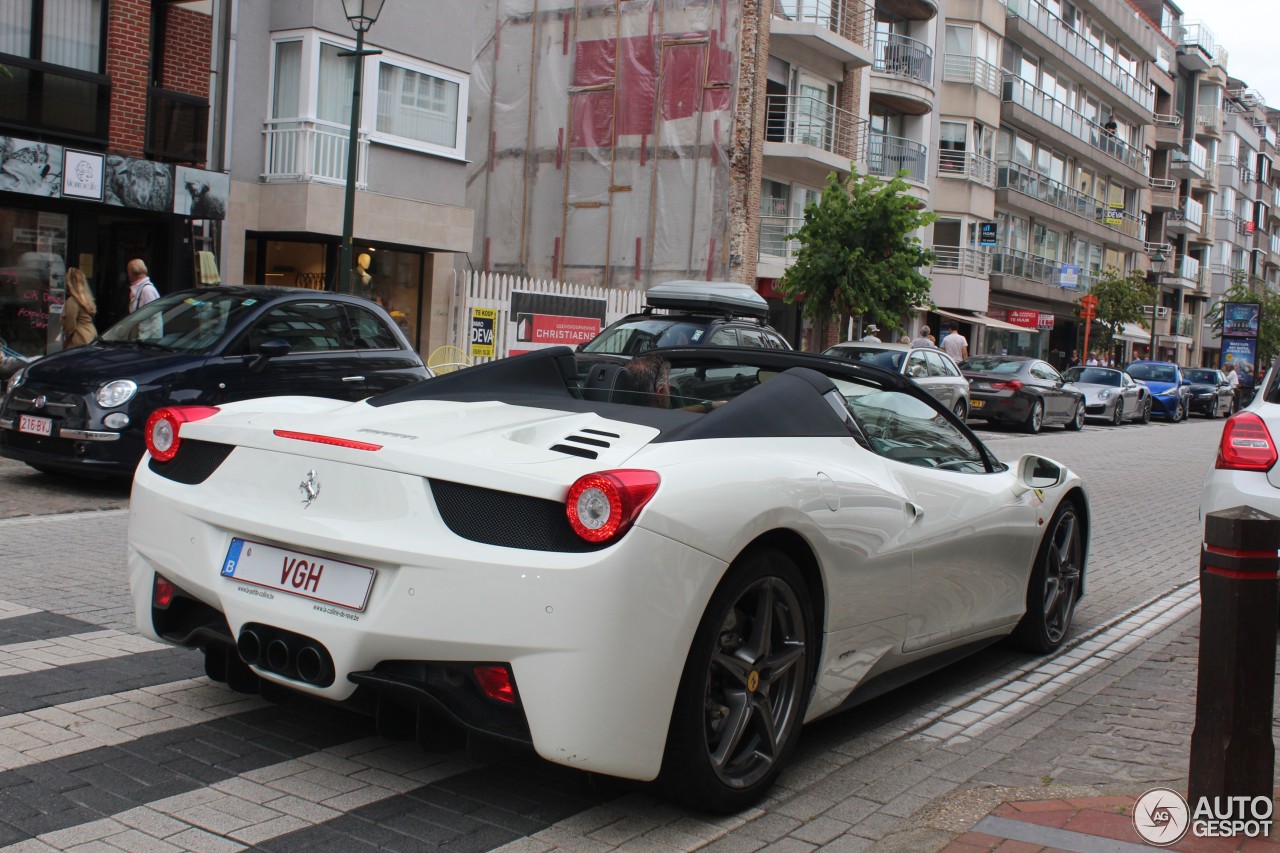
1110 394
929 367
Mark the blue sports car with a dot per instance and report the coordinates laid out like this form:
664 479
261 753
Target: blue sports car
1170 391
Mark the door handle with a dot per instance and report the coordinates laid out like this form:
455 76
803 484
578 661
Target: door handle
915 511
353 379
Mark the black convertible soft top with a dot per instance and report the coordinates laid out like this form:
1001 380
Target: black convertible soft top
789 404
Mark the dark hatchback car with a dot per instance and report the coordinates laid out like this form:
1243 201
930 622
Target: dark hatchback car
1020 390
696 313
83 410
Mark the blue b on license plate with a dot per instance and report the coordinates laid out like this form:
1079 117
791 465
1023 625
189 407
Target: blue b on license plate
299 573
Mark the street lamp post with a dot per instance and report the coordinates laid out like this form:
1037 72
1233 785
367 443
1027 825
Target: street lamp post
1157 276
361 14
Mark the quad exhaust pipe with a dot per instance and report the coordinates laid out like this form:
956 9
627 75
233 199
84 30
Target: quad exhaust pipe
285 653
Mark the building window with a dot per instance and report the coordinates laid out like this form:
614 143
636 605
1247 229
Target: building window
951 147
60 32
412 104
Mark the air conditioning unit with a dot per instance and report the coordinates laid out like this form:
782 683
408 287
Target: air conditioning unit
1162 311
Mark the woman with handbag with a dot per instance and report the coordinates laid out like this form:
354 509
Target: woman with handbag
78 312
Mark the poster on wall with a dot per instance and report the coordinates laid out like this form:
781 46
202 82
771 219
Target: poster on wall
139 184
540 320
201 194
1242 355
1240 319
483 331
82 174
33 168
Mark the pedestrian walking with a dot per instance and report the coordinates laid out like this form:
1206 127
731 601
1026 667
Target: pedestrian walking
923 339
78 312
955 345
141 289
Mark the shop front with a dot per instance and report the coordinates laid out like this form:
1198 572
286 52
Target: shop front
62 208
1034 329
391 275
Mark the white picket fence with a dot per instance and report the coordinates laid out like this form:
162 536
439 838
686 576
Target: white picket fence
493 290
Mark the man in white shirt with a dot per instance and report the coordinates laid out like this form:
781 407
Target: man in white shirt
872 331
141 290
955 345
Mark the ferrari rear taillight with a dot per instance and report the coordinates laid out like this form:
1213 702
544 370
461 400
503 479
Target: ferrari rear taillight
602 507
1011 385
1246 444
496 683
164 425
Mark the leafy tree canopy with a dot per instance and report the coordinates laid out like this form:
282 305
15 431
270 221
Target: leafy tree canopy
859 254
1120 300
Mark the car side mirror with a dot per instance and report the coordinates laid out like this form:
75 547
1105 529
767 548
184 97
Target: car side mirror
267 350
1036 472
1186 382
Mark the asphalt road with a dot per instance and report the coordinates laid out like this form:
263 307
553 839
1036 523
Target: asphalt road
113 742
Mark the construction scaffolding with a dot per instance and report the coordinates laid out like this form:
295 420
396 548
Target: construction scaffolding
602 135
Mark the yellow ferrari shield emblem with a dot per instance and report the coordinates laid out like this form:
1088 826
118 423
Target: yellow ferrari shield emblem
753 681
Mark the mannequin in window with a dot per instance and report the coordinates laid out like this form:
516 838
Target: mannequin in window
362 268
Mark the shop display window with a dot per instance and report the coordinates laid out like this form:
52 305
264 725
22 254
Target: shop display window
33 269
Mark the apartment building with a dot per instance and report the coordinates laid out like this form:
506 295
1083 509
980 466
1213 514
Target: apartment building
285 134
104 119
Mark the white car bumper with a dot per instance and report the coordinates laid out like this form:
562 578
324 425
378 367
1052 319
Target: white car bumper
596 641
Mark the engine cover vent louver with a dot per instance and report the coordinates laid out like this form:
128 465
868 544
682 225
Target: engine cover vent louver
577 448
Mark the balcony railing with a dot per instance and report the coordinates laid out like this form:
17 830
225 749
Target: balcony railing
311 150
1036 268
964 164
37 96
1193 212
1275 244
1022 93
958 68
1167 119
1210 118
1188 268
1193 34
773 236
1039 16
853 21
1163 185
1028 182
961 260
1197 160
177 126
806 120
1275 198
1183 325
889 155
904 57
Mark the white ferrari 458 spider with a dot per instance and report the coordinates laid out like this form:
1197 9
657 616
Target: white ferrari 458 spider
644 577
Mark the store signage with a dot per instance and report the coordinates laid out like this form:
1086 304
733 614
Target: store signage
1069 275
986 233
82 174
555 329
538 320
484 325
1025 319
1240 319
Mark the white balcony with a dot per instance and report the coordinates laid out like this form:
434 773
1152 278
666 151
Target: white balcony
806 138
1193 164
843 32
961 261
971 70
774 245
968 166
1209 119
299 150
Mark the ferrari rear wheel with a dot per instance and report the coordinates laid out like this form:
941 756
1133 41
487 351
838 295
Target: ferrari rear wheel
1054 587
745 687
1035 418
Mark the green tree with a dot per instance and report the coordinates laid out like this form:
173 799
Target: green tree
1247 288
1120 300
858 253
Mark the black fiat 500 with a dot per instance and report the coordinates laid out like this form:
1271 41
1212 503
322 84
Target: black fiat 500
83 410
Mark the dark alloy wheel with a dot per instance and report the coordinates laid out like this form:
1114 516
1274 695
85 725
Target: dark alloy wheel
961 411
1146 412
745 686
1117 417
1176 417
1077 421
1035 419
1054 587
1213 410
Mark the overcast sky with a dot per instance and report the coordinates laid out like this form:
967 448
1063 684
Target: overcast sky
1250 31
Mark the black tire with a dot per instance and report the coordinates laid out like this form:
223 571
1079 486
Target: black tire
1231 409
1077 421
1035 418
960 409
1213 410
1054 586
729 681
1117 417
1176 417
1146 412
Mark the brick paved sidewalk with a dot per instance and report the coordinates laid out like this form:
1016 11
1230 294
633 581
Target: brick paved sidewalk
25 491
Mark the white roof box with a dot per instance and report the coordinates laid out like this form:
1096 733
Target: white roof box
708 296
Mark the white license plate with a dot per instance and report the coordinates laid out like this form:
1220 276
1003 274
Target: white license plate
976 404
298 573
34 425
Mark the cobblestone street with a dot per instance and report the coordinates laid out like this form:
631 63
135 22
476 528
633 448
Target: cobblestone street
110 741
